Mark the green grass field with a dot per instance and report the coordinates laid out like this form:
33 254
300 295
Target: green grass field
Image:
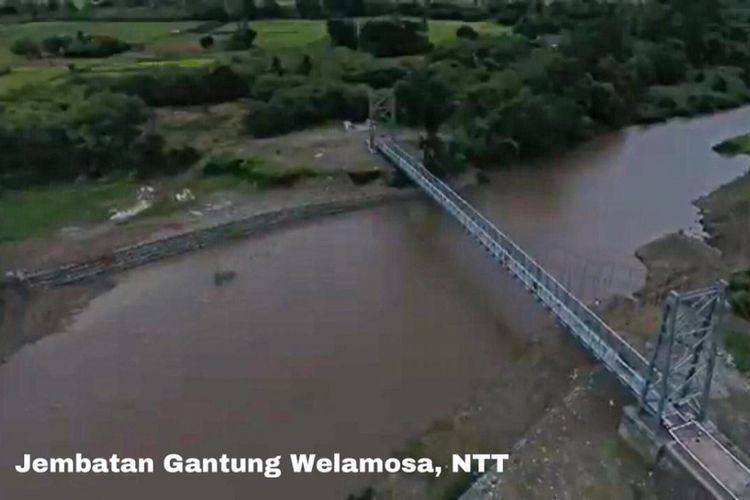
445 31
35 212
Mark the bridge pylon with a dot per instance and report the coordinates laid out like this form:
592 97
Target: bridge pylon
678 379
382 114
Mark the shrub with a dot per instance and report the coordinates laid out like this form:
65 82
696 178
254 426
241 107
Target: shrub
207 41
96 46
350 8
393 37
305 65
181 87
467 32
507 13
343 32
215 12
375 8
719 84
241 39
310 9
738 344
376 76
56 44
270 9
5 70
8 10
26 47
268 84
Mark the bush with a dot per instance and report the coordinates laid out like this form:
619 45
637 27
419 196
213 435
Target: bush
56 44
393 37
96 46
8 10
241 39
181 87
719 84
738 345
343 32
207 41
310 9
298 107
507 13
215 12
467 32
375 8
270 9
349 8
26 47
376 76
268 84
5 70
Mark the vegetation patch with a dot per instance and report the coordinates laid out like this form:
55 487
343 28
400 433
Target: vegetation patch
177 86
81 136
259 172
298 106
739 294
738 345
39 211
739 145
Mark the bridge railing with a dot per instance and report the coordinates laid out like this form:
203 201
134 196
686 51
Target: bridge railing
606 344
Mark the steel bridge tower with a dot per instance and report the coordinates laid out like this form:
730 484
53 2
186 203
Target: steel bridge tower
678 379
382 112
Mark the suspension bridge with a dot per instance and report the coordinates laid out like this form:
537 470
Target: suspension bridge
672 387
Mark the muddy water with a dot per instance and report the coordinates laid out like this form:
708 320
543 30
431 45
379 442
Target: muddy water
350 334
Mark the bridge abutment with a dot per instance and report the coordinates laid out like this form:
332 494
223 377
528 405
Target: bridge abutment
640 436
676 473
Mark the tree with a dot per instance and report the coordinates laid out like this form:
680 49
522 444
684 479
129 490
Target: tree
305 66
310 9
343 32
428 101
467 32
393 37
276 66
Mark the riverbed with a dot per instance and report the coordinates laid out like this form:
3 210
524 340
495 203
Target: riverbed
351 334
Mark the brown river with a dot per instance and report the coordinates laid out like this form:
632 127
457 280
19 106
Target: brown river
348 334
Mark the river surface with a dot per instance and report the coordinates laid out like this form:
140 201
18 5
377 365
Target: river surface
349 334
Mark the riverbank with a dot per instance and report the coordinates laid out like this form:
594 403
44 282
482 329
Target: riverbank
39 305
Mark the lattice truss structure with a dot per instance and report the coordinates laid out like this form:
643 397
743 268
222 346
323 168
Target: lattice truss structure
382 112
682 366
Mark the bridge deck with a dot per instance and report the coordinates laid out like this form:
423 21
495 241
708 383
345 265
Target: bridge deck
729 474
